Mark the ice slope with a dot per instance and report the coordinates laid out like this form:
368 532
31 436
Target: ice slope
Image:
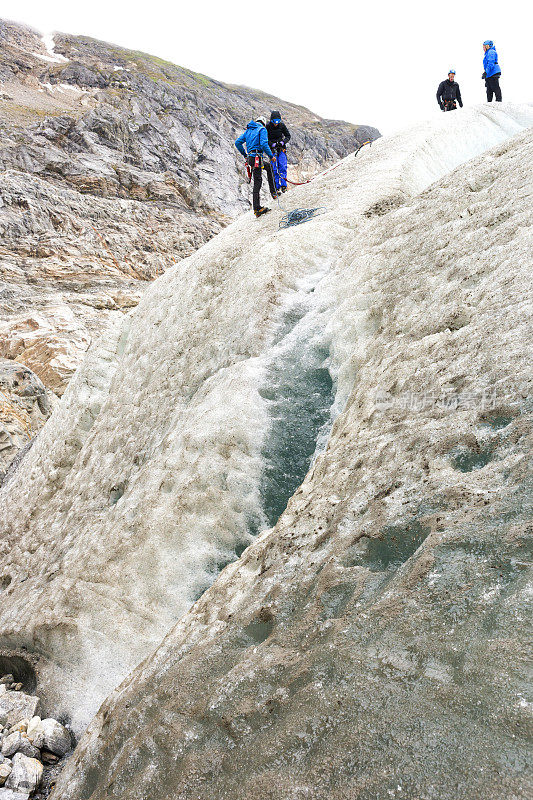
375 643
148 477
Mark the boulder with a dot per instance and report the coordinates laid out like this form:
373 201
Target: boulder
10 794
26 774
35 732
82 76
26 748
48 758
5 772
11 743
16 706
56 738
21 726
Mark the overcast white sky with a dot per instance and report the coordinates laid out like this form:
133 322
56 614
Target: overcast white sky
366 62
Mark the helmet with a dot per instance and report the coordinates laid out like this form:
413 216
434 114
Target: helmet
488 42
275 116
262 120
451 72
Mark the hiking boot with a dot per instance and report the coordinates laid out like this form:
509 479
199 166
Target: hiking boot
261 211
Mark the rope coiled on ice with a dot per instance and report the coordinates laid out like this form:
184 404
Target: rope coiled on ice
300 215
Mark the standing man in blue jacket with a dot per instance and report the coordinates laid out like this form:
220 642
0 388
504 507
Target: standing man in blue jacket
492 73
255 138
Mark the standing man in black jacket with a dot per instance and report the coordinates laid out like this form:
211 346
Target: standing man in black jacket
278 136
449 94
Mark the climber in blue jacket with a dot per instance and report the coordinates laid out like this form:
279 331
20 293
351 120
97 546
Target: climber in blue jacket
492 72
257 155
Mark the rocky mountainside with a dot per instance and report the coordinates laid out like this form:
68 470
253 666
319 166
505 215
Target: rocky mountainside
356 641
114 165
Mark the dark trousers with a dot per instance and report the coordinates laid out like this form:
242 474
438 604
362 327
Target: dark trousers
450 105
257 178
493 88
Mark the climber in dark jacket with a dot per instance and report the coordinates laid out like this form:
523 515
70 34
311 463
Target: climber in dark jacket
258 156
278 136
449 94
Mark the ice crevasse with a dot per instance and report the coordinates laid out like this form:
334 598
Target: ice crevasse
168 451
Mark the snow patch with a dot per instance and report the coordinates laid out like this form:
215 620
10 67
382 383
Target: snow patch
44 58
62 88
52 57
48 41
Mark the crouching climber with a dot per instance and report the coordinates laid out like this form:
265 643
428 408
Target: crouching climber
492 73
258 156
449 94
278 136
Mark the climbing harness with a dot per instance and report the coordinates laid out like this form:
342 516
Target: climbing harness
258 162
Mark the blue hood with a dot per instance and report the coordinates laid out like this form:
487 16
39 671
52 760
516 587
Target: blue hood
256 139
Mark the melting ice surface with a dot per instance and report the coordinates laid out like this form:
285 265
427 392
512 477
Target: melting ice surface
293 383
299 391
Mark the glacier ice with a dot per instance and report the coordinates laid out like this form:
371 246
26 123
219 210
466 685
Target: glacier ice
299 392
148 476
374 643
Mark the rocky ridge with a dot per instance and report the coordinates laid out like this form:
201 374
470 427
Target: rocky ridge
114 165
